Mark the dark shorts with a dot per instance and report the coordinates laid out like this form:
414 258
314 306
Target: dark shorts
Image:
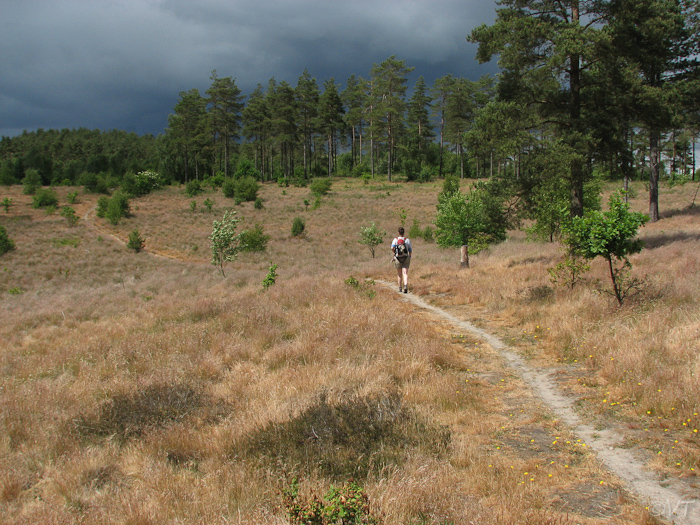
405 264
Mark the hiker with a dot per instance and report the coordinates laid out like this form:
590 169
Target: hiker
402 250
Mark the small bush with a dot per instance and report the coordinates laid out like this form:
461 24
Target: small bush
320 187
258 204
228 188
6 244
414 231
6 203
298 226
209 204
254 240
102 204
117 208
31 181
136 242
246 190
72 197
193 188
271 276
141 183
428 234
44 198
70 216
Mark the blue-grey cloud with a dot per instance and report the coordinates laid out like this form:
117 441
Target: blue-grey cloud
120 64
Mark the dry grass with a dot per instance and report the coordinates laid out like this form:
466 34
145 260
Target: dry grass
147 389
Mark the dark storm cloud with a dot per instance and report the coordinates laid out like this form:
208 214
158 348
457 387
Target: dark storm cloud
121 64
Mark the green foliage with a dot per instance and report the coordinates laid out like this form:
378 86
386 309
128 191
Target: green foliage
225 243
271 276
346 505
569 272
475 220
428 234
193 188
136 242
193 206
283 182
102 204
371 236
450 186
298 226
70 216
72 197
320 187
241 190
402 214
44 197
16 290
365 287
117 208
141 183
31 181
246 169
208 203
612 235
254 240
258 205
6 244
6 203
414 231
94 183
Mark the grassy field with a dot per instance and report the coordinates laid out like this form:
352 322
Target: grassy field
146 388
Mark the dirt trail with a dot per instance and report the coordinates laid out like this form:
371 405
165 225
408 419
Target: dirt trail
672 499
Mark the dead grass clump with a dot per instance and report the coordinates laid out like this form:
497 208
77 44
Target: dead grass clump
348 439
127 416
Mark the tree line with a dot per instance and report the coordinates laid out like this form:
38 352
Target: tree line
588 89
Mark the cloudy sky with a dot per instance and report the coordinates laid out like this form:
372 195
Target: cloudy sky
120 64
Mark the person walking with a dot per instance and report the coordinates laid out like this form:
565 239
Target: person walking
402 251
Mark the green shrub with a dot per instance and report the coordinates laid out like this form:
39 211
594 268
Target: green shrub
271 276
193 188
102 204
136 242
258 204
228 188
254 240
117 208
208 203
6 244
94 183
72 197
371 236
246 190
320 187
414 231
44 197
140 183
298 226
70 216
31 181
245 169
6 203
428 234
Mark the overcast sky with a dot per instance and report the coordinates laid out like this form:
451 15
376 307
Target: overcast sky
120 64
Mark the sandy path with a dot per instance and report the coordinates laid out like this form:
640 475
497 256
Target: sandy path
670 498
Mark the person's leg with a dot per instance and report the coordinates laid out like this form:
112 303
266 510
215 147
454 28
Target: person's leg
398 273
405 278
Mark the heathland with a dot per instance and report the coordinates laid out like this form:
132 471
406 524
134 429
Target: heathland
145 387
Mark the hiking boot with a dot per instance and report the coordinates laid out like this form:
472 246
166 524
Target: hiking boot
405 290
400 289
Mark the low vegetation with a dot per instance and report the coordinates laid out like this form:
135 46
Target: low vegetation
146 388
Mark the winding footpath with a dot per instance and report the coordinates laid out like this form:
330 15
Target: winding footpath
668 498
